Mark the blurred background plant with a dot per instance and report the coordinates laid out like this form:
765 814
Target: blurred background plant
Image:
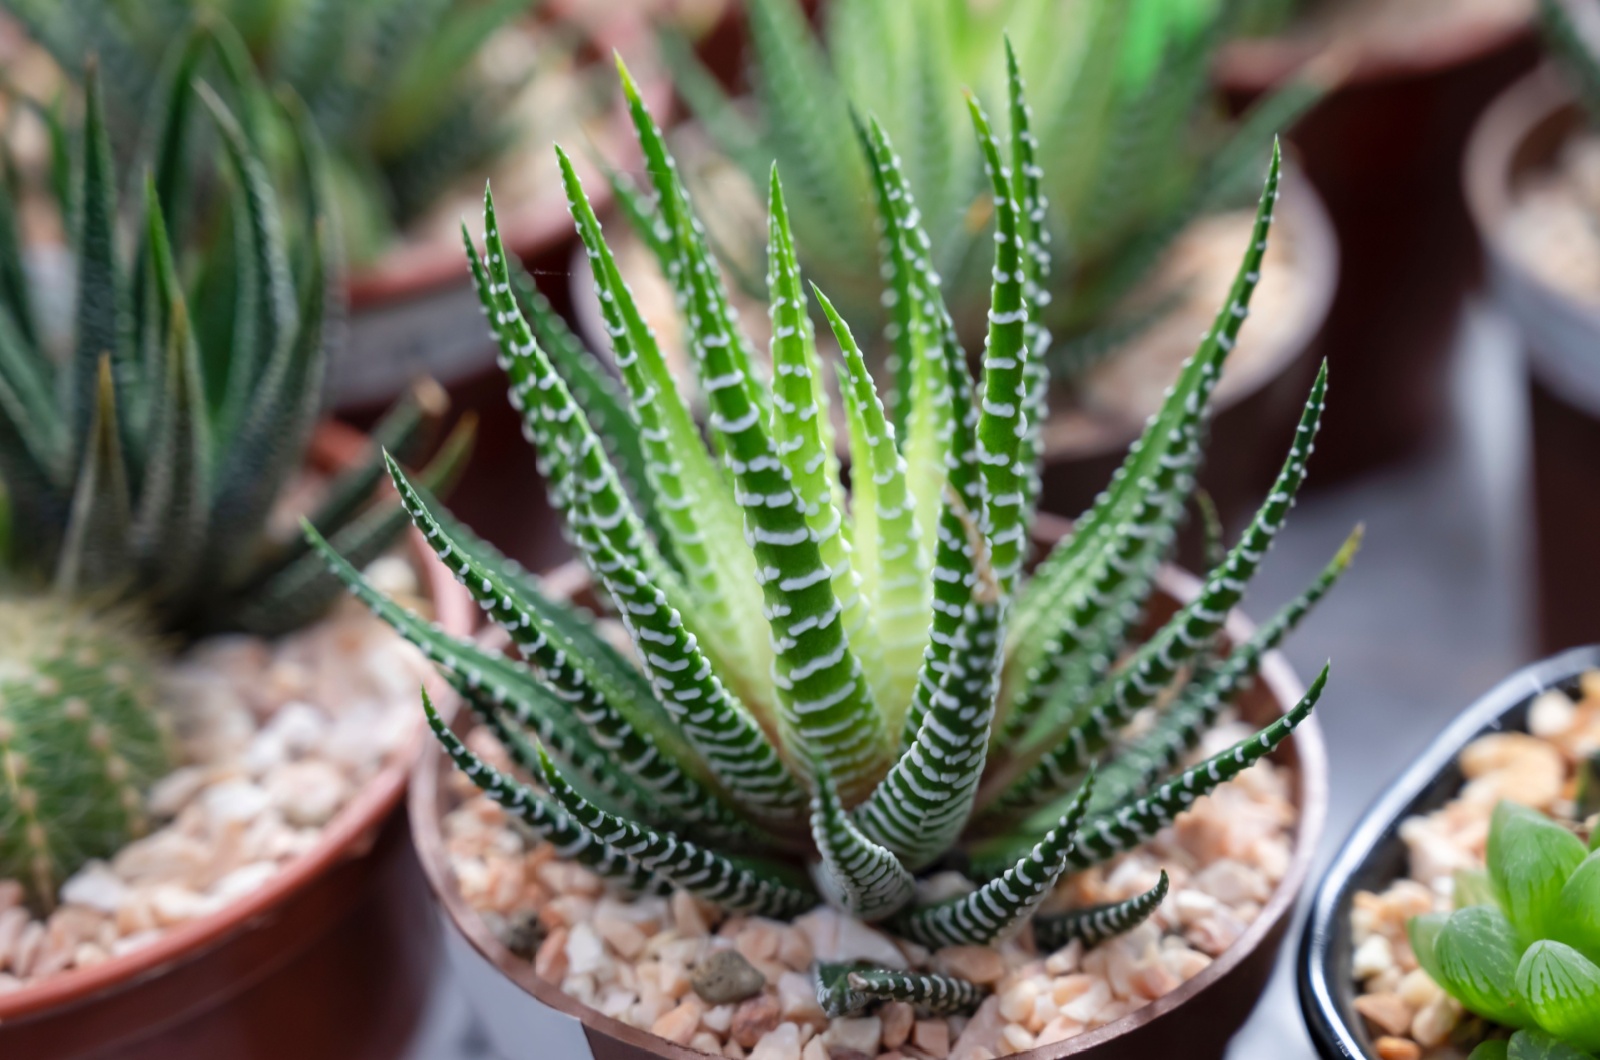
1572 33
1258 17
1132 140
153 420
409 95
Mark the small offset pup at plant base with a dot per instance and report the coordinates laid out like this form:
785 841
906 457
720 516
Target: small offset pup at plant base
832 695
1522 948
144 442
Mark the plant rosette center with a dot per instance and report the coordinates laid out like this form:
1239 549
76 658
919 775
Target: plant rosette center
1505 858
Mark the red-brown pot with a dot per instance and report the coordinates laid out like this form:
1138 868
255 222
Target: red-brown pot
415 314
331 958
1518 136
1254 420
530 1019
1384 148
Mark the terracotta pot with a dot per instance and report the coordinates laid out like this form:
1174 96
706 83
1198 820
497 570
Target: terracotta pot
1374 856
330 958
415 314
1253 420
1520 135
1384 149
529 1018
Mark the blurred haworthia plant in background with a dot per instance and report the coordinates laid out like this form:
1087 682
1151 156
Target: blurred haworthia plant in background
1523 947
832 692
1130 140
398 89
148 425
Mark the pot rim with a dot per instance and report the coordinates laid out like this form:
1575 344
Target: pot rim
1306 217
1312 799
1498 136
529 229
352 829
1333 1036
1510 138
1255 64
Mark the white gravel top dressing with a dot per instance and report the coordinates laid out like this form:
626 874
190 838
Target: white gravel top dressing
274 738
1409 1015
650 962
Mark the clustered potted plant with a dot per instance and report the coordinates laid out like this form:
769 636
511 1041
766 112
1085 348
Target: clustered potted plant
1526 179
1405 82
1461 915
1141 172
856 708
196 757
418 104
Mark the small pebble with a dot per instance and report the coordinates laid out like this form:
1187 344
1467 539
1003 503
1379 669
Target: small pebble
725 976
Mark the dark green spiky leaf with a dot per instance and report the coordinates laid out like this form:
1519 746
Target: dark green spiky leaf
847 990
1108 833
1158 660
1005 902
498 688
857 874
535 810
745 885
99 323
95 549
1095 924
173 508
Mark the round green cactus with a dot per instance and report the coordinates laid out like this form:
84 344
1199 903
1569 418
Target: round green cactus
80 738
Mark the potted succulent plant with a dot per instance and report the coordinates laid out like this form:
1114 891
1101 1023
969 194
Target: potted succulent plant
1527 182
418 104
1383 146
1460 916
1142 177
857 712
196 782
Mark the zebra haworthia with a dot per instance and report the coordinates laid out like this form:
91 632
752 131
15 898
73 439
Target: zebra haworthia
915 685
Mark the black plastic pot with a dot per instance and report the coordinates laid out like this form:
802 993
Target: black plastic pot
1374 855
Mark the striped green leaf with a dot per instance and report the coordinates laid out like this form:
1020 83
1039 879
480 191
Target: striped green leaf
742 886
535 810
1000 906
1157 661
845 990
856 874
1096 923
696 507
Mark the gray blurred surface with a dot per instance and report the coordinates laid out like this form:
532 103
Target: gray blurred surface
1431 615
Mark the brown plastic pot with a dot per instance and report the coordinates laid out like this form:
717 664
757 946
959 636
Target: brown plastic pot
1253 419
331 958
415 314
1520 135
528 1018
1384 149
